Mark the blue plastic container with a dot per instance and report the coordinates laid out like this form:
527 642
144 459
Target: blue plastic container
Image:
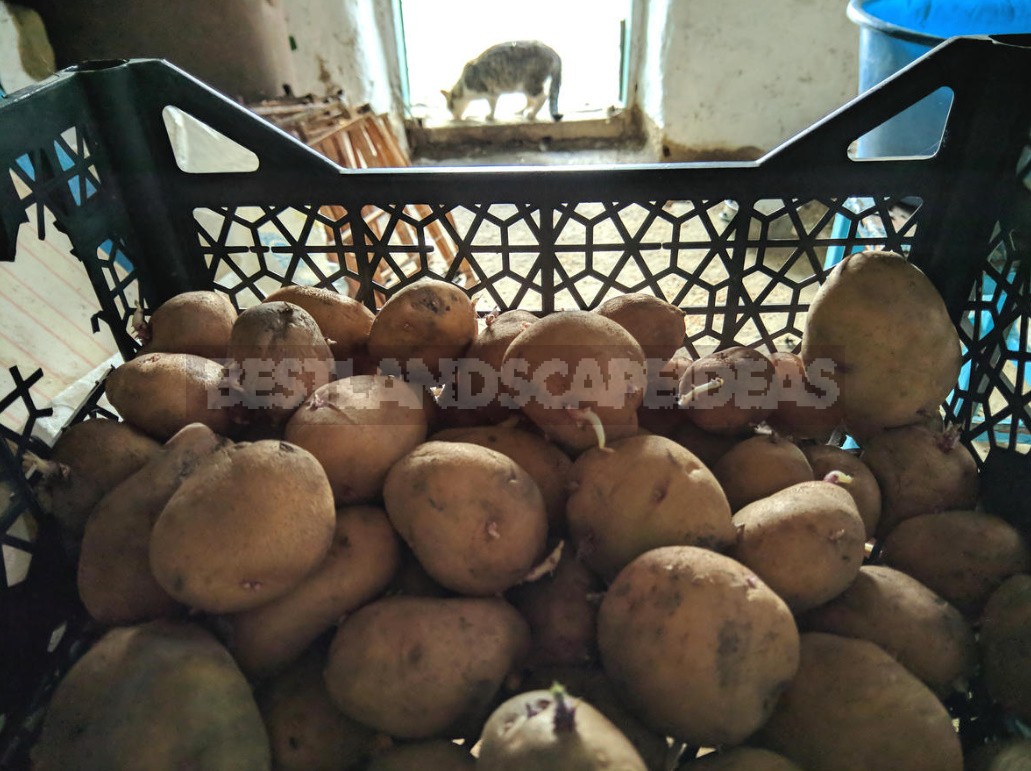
894 33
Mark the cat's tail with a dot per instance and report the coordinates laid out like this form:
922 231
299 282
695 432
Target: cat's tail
553 87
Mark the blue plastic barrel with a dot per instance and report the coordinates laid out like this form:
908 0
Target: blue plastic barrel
893 33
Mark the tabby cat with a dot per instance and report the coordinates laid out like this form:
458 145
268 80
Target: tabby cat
521 66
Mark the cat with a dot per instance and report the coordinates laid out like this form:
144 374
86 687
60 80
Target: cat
517 67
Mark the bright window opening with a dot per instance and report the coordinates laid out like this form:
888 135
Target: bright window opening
439 37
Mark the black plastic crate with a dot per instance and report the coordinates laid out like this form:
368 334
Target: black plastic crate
741 247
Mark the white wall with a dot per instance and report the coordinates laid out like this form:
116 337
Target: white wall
733 75
713 76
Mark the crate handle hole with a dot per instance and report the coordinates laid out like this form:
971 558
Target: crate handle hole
913 133
200 149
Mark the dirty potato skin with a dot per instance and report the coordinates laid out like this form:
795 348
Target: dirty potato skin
244 528
164 691
852 707
641 493
473 517
656 324
197 322
344 322
428 667
161 393
696 644
422 323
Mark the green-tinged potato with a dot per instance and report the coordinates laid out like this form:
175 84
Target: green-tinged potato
883 329
552 730
474 518
277 358
658 326
729 391
541 459
806 404
852 707
358 427
421 324
1005 644
433 755
865 491
344 322
757 467
158 695
161 393
920 471
923 632
420 668
114 576
88 460
639 494
562 611
806 542
591 684
244 528
197 322
474 398
741 759
578 376
697 646
361 562
306 731
1000 755
963 556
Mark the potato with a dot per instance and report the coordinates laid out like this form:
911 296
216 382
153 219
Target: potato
474 398
806 542
161 393
641 493
880 326
88 460
357 428
562 611
418 668
760 466
432 755
277 357
473 518
244 528
541 459
421 324
198 323
825 458
709 447
805 406
742 759
1005 641
729 391
114 576
1000 755
344 322
698 647
591 684
164 691
658 326
551 730
660 412
963 556
920 471
306 731
918 628
852 707
575 374
361 562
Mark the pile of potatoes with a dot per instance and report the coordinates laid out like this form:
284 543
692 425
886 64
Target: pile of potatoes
322 538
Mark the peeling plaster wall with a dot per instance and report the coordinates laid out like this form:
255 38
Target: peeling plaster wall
349 45
725 77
